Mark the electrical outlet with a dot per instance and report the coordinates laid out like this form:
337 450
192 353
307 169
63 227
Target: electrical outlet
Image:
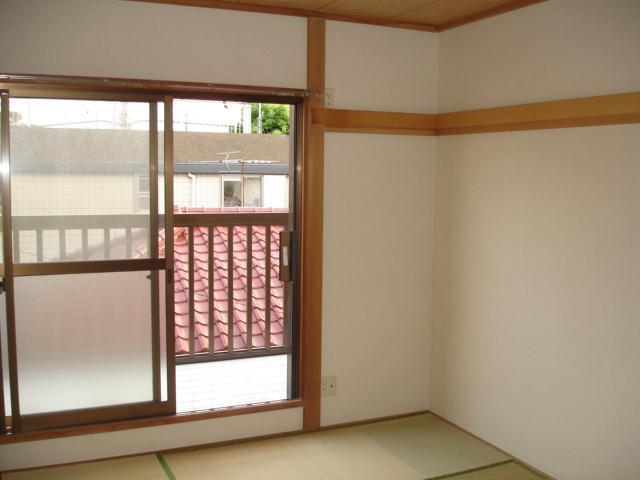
329 386
329 97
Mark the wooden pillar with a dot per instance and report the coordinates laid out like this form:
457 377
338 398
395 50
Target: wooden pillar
311 248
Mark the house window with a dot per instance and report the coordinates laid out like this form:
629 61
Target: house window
232 191
252 191
242 191
144 191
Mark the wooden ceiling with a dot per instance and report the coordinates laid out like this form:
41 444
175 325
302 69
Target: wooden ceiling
429 15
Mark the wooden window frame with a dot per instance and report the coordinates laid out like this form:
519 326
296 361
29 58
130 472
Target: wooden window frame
122 89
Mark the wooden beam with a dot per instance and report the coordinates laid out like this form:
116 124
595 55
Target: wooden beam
297 12
578 112
359 121
311 234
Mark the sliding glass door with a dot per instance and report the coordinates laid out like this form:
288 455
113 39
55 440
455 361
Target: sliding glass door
88 271
120 301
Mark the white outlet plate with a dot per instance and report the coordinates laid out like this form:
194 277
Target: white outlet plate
329 386
329 97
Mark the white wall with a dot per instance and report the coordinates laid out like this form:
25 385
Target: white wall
378 242
379 68
378 229
534 330
115 38
553 50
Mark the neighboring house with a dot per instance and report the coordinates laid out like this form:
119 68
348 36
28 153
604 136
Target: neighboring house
211 170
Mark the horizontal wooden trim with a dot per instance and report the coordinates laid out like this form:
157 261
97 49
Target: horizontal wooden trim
491 12
92 266
147 422
296 12
41 84
46 421
578 112
360 121
202 219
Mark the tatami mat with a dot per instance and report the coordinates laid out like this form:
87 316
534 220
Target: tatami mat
420 447
507 471
344 455
412 448
144 467
432 446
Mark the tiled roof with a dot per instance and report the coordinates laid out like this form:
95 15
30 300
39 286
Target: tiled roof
202 302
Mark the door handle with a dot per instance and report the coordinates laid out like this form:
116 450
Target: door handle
285 256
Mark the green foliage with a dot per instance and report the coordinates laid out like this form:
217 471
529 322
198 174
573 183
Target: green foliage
275 118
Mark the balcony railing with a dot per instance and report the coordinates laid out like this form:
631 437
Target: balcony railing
228 266
229 299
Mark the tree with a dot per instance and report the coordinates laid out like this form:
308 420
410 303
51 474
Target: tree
275 118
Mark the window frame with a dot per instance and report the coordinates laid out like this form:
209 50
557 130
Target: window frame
89 88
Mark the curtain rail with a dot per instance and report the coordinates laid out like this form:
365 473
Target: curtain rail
163 86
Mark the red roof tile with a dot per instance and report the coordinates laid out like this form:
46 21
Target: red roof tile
240 281
220 300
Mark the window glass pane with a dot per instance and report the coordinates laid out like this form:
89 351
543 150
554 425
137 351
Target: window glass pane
83 340
77 173
252 191
232 193
226 151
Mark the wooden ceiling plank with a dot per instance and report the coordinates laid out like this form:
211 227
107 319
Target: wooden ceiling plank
295 12
442 11
375 8
499 10
424 15
415 6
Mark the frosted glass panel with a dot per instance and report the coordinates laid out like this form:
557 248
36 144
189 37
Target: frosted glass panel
79 179
83 340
